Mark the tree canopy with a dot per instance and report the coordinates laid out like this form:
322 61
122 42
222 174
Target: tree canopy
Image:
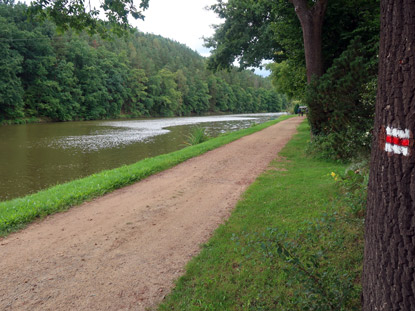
254 31
82 15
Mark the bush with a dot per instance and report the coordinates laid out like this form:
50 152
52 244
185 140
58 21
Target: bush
353 184
344 145
341 105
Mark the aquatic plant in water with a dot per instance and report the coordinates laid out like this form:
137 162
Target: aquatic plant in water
197 136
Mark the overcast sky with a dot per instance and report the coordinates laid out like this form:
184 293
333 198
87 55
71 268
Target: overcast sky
185 21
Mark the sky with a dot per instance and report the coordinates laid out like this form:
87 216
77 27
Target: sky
185 21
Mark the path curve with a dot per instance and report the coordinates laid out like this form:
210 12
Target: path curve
123 251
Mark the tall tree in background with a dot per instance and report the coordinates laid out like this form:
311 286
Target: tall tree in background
11 90
389 263
311 16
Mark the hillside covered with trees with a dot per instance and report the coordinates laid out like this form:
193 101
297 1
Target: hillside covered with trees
71 76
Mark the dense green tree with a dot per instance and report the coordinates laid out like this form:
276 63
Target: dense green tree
240 96
183 88
276 102
200 94
231 98
288 78
213 93
68 94
90 79
164 93
33 46
115 72
224 96
246 33
137 93
40 89
11 90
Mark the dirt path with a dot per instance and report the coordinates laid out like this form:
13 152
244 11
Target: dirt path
123 251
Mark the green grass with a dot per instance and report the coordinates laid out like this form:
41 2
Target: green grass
15 214
288 245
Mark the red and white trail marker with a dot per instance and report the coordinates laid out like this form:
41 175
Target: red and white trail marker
397 141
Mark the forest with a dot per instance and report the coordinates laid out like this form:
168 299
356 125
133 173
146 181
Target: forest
50 75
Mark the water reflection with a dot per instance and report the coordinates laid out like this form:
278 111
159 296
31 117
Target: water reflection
37 156
114 134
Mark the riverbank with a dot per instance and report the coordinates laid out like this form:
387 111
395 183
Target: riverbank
23 121
15 214
292 243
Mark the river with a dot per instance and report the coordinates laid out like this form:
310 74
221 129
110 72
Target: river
37 156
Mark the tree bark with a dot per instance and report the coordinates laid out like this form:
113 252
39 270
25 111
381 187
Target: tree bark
311 19
389 258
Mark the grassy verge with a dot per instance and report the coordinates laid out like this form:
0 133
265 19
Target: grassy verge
14 214
291 244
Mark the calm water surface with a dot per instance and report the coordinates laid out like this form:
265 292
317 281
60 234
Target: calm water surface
37 156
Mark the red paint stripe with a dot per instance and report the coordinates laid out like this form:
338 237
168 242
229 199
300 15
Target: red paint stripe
405 142
397 141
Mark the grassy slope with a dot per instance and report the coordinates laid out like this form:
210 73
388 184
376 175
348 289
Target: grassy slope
234 271
14 214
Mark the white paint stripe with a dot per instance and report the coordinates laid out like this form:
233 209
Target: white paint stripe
388 131
396 149
397 133
404 134
388 147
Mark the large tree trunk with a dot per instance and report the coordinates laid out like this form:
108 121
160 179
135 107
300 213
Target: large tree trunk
311 19
389 262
